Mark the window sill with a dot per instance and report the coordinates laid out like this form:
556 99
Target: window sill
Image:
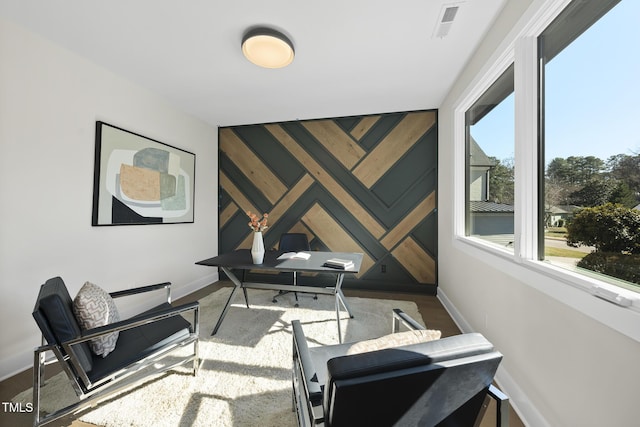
570 288
593 285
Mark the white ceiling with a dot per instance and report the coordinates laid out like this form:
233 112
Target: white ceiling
352 56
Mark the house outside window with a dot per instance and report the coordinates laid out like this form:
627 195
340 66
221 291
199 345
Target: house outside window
489 168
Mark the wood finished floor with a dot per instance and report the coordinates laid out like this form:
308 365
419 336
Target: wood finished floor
433 314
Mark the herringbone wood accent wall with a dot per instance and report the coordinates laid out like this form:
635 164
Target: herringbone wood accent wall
354 184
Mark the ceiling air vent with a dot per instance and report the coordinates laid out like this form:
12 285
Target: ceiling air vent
445 20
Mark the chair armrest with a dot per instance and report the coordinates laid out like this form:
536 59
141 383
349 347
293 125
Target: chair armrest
400 316
142 289
502 406
136 321
301 349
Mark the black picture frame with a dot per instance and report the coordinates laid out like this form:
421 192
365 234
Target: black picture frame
138 180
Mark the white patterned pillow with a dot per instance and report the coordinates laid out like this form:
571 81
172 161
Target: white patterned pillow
94 307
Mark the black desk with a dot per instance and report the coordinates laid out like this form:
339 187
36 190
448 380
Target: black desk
241 260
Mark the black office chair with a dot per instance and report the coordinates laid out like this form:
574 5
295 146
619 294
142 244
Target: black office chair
293 242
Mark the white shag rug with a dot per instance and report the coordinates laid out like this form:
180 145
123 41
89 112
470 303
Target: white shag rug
245 375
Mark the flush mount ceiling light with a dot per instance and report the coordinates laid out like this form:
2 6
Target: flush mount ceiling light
267 48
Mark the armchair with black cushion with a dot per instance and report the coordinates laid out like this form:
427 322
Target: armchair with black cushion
293 242
144 345
385 382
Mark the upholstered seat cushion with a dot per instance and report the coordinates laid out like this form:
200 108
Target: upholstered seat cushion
94 307
136 343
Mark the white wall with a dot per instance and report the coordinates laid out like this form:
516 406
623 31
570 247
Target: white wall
50 100
562 366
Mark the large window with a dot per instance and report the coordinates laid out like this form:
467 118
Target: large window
490 164
552 149
590 77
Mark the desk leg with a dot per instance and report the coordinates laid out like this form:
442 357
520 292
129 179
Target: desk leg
340 295
244 290
238 284
340 299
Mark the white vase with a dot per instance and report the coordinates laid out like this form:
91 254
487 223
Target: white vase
257 249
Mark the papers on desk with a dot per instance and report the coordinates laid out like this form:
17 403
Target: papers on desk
295 255
342 264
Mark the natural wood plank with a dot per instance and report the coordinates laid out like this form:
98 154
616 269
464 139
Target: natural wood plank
227 213
334 236
416 260
393 147
301 187
336 141
365 124
410 221
235 194
281 207
251 166
327 181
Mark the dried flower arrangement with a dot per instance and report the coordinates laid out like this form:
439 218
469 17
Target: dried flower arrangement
257 224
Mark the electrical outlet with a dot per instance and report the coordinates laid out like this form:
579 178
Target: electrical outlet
383 268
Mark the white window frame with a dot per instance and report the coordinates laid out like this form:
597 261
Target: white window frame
520 48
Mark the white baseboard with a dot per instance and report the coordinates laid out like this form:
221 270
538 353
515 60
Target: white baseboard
16 364
458 319
528 413
195 285
518 399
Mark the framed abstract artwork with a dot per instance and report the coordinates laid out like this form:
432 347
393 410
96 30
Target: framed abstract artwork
138 180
